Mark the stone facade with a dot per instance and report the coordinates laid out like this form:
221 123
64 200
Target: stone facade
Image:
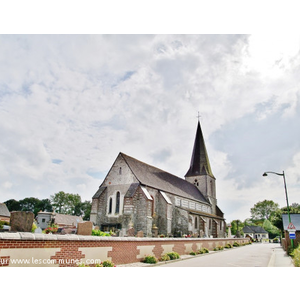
145 198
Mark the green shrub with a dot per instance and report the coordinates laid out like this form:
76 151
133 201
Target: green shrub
33 227
149 259
203 250
99 233
296 256
236 244
82 265
228 245
107 263
165 257
290 251
173 255
193 253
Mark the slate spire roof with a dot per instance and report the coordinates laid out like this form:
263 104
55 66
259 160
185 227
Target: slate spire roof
199 163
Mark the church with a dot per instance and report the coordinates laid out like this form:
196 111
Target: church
137 197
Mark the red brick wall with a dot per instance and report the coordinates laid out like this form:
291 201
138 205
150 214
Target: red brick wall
118 250
286 242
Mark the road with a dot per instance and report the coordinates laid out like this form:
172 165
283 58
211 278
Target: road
255 255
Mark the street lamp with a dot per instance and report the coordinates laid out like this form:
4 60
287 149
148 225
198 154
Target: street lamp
286 196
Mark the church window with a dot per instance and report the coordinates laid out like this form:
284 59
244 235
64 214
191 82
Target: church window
117 203
196 183
120 171
210 224
196 222
110 206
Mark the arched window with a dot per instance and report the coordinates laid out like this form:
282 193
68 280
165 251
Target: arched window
117 203
120 171
196 183
110 206
196 222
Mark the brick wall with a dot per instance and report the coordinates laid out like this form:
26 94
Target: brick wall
286 242
35 250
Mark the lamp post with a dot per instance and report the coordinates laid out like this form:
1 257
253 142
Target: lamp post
286 196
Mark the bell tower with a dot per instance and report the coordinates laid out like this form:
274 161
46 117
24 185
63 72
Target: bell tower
200 173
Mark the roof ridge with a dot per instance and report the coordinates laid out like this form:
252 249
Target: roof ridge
152 166
183 185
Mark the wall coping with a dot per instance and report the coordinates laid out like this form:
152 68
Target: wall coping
74 237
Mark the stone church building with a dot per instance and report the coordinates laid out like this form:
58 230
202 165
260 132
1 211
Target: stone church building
135 196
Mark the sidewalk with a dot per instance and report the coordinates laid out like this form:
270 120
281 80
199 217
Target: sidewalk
279 258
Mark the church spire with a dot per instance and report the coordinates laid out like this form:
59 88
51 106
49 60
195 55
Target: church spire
199 163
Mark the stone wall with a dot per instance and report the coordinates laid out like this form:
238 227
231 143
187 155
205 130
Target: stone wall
22 249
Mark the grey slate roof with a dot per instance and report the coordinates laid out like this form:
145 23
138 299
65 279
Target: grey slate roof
4 212
295 218
254 229
132 189
156 178
199 163
99 192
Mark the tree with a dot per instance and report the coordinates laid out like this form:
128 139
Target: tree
13 205
236 227
272 230
276 218
263 209
29 204
65 203
45 205
86 207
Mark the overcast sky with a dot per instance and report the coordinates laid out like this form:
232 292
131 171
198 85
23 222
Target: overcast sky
70 103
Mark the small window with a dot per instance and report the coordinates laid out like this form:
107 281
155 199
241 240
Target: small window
120 171
196 183
196 223
43 220
117 203
110 206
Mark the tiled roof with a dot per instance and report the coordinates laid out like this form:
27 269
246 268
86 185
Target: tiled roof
295 218
156 178
4 212
67 219
254 229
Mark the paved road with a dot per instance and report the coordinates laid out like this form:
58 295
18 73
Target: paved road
255 255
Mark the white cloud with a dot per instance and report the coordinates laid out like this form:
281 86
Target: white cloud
70 103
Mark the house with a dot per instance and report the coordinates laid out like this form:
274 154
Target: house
44 218
138 197
295 219
255 232
4 213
